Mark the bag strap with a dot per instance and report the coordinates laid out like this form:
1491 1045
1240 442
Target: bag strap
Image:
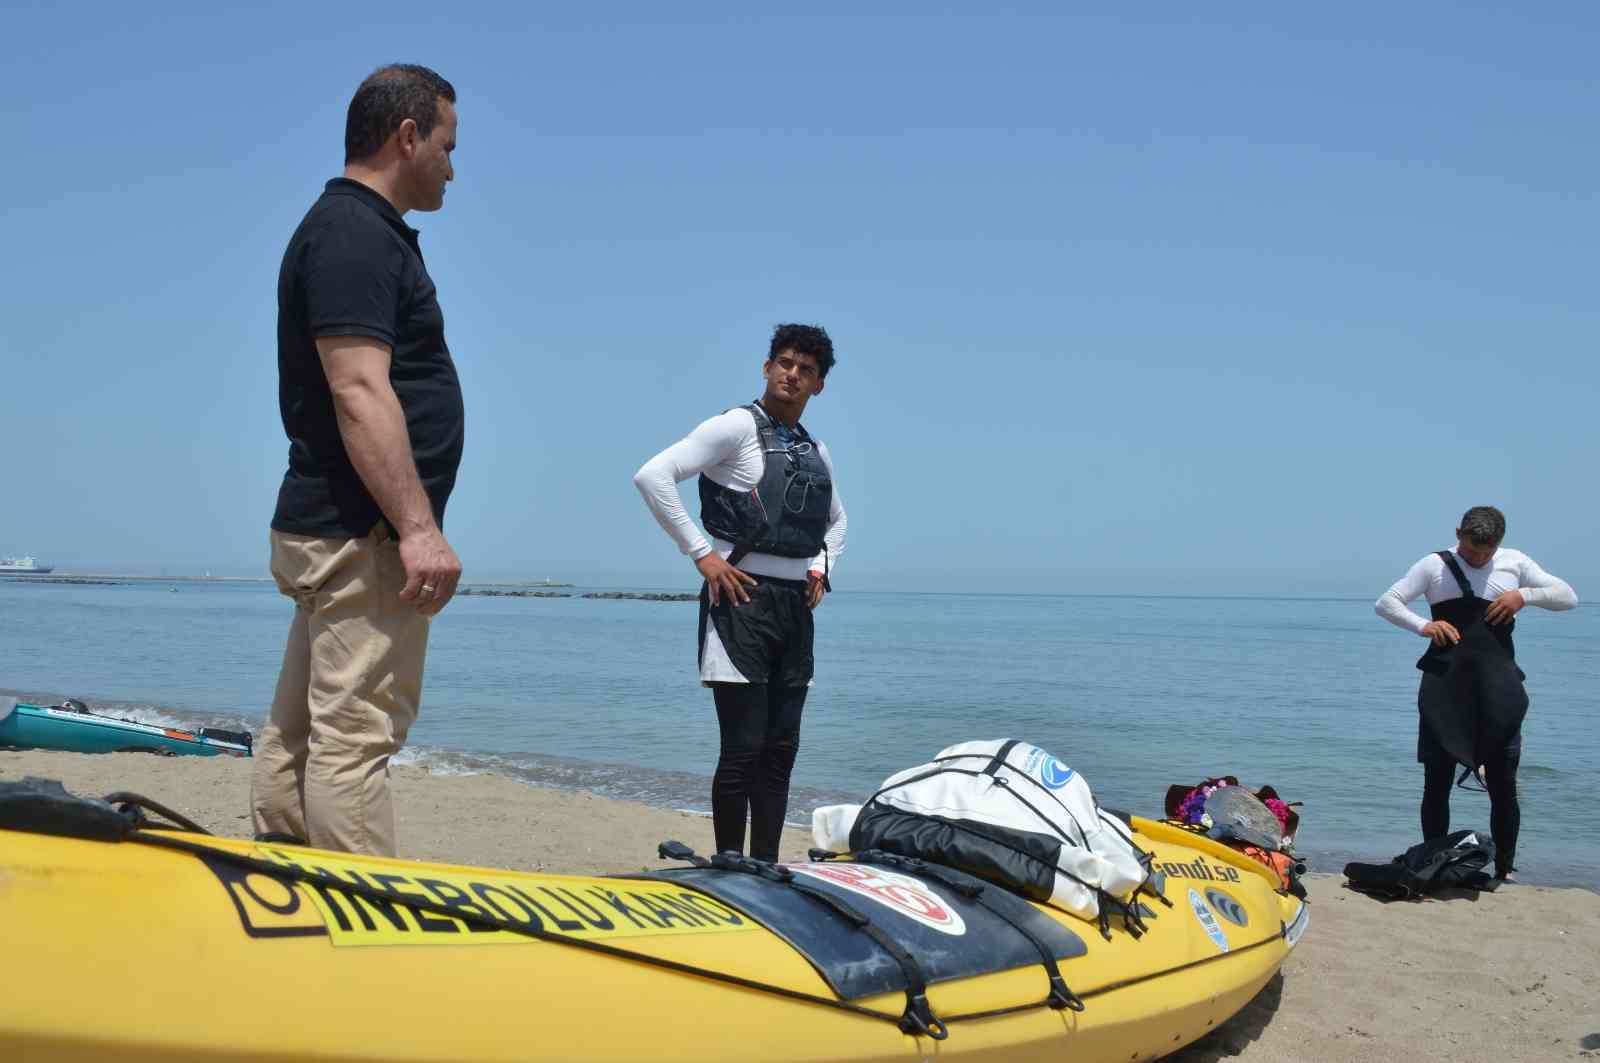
1061 996
998 761
1455 570
918 1017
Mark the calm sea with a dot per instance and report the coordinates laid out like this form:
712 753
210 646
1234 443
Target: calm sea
1314 696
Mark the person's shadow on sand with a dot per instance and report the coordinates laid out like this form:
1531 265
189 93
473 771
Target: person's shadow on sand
1235 1035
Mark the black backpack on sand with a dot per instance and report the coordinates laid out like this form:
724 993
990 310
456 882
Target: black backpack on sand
1456 861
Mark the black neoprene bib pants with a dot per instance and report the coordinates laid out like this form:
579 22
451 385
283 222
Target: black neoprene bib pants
760 724
768 639
1440 770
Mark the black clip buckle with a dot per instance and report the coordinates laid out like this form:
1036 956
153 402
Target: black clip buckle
750 866
919 1019
1063 997
674 850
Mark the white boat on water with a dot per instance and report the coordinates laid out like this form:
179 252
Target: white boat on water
25 565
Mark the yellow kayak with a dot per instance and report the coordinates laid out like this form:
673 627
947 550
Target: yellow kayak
155 944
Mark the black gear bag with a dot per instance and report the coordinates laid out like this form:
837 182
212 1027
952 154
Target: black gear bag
1456 861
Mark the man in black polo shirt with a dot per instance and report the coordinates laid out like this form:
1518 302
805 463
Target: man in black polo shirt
372 407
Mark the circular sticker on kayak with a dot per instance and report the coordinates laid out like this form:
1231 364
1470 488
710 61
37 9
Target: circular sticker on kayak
1208 922
909 896
1228 908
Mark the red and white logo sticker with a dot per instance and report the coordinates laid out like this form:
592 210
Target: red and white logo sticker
908 896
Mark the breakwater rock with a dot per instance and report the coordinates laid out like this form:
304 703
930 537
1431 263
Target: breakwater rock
633 596
490 592
627 596
71 581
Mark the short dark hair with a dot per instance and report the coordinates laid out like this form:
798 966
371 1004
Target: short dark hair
389 96
803 339
1483 526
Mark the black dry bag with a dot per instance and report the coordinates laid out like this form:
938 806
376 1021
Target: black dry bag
1456 861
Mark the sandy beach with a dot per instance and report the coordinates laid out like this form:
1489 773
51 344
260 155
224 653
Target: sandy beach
1505 976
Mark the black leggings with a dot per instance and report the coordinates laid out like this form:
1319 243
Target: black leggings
1505 815
760 725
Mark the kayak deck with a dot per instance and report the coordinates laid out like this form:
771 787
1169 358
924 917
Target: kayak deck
370 958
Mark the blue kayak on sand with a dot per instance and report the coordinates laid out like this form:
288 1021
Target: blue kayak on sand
73 728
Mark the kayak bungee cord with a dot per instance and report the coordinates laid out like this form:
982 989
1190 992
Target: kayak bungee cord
134 806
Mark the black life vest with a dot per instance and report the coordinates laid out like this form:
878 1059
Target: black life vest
1483 701
786 513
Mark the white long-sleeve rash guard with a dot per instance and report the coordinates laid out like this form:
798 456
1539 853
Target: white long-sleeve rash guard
1508 570
727 448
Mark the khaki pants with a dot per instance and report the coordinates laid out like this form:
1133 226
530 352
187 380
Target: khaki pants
348 692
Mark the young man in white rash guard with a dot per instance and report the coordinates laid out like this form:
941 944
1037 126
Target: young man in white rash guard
776 528
1471 700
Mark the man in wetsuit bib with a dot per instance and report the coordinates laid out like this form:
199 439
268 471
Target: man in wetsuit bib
1471 700
776 524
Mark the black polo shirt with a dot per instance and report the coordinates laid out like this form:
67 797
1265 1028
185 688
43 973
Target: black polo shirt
353 268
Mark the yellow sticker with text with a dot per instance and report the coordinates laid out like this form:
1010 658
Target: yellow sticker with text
595 909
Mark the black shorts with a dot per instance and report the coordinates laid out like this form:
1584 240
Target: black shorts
1428 747
765 640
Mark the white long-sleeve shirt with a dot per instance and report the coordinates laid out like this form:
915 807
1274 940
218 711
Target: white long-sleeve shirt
1508 570
727 448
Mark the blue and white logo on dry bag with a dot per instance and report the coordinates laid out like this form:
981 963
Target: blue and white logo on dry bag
1054 774
1050 771
1208 922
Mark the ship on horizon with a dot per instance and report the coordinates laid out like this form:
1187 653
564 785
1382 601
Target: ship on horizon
25 565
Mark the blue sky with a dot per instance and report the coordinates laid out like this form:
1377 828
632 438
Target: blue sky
1180 299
